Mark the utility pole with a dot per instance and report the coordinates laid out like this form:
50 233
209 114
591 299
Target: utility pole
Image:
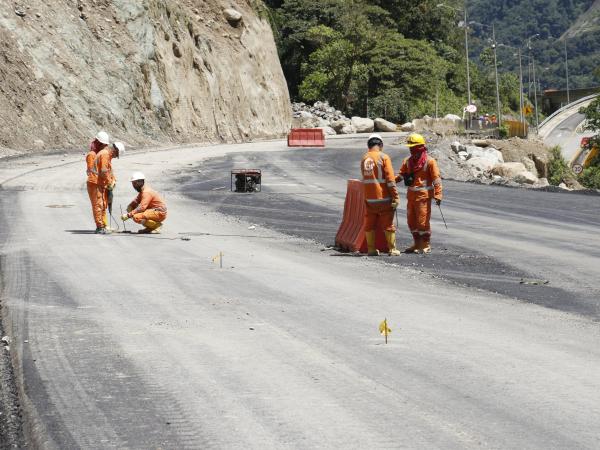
537 117
467 54
567 71
499 110
521 90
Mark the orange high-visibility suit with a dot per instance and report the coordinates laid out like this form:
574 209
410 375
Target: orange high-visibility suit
426 186
102 168
92 185
148 208
380 189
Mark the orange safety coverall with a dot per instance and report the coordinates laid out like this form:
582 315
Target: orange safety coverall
92 184
380 189
427 185
148 205
102 168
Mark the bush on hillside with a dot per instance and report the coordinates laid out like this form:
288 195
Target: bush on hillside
558 168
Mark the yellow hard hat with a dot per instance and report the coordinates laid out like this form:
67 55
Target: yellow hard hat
415 139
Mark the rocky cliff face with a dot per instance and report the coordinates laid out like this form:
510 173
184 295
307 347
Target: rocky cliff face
144 70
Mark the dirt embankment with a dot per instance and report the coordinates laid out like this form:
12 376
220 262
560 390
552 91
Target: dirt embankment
146 71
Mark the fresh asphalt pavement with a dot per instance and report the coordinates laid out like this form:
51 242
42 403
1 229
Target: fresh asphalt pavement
132 341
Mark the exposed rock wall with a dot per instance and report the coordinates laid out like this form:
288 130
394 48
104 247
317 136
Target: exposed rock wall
144 70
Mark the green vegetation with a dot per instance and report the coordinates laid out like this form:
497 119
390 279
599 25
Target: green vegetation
394 58
590 177
517 20
558 168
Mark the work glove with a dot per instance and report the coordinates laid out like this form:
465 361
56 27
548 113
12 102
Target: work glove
125 217
438 201
110 187
395 203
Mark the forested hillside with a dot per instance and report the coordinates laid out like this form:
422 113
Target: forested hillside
406 58
556 22
397 59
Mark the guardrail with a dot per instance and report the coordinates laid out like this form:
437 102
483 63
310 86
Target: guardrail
565 108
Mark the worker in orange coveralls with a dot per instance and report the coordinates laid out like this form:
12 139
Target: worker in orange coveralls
106 182
381 195
148 208
421 175
100 142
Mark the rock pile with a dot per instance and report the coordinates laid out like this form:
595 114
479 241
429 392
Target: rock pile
486 164
333 121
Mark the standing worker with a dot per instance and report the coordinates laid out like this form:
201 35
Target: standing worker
106 181
381 195
422 178
99 143
148 208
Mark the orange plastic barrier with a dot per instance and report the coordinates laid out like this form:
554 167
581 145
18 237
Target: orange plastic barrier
306 137
351 234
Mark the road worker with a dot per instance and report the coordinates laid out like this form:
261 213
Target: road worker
148 208
421 176
381 195
99 143
106 182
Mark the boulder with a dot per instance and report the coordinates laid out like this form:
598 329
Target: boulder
384 125
457 147
480 142
542 183
408 127
489 153
339 124
509 170
541 164
452 117
463 155
328 131
530 165
564 187
525 177
232 16
482 164
348 129
362 125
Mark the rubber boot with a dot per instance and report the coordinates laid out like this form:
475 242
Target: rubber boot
390 237
416 244
157 229
425 244
372 251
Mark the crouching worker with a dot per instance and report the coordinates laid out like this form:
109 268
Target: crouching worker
148 208
381 195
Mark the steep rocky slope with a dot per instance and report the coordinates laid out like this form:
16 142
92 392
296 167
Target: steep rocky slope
144 70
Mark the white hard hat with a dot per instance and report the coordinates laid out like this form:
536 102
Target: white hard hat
103 138
135 176
375 136
120 147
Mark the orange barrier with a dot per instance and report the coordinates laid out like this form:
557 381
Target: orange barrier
306 137
351 234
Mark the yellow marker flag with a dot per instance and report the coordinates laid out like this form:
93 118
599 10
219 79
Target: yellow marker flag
383 328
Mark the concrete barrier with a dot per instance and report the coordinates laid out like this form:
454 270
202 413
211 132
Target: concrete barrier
306 137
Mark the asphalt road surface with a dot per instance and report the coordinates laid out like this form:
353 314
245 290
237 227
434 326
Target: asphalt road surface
128 341
568 134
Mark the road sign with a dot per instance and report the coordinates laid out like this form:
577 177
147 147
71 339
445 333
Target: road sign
528 110
577 168
471 109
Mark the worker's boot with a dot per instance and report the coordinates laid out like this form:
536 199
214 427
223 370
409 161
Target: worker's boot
390 237
416 247
157 229
103 230
372 251
425 244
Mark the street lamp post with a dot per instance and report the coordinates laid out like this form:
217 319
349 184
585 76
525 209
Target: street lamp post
494 45
466 25
498 109
521 101
567 72
532 59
